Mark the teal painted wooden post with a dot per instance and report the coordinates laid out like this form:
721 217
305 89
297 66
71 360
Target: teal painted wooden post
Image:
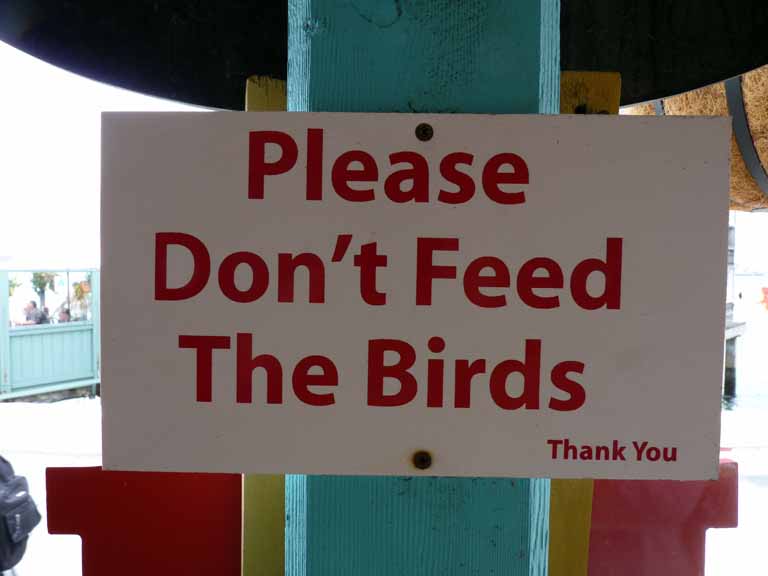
495 56
5 336
96 319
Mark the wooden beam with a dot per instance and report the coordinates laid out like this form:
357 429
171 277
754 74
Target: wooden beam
263 525
589 92
570 518
368 56
264 495
490 57
264 94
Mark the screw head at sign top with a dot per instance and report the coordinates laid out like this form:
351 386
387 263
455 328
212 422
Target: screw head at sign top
424 132
422 459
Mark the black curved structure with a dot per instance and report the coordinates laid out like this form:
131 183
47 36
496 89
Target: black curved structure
202 51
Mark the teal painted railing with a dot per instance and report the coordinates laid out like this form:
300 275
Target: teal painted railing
48 357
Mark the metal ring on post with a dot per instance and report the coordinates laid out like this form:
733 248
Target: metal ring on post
658 107
743 135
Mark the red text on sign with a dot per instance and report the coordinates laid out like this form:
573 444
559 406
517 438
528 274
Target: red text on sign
485 281
535 276
512 383
356 174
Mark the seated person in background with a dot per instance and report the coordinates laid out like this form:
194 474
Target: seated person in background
64 315
33 314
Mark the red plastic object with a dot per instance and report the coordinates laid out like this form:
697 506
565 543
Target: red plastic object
658 527
149 523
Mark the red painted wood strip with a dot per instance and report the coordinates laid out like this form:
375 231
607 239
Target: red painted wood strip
146 523
642 527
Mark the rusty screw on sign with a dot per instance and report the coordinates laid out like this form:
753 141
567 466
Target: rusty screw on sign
424 132
422 459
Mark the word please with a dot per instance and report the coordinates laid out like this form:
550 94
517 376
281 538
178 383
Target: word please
355 174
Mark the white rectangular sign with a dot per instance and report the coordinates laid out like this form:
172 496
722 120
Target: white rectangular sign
414 294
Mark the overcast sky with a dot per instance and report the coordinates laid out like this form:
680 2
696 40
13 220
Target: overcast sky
49 161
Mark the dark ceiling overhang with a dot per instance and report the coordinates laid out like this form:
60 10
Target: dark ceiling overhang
202 52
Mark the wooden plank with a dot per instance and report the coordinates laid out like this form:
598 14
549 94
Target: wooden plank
369 56
570 519
584 92
264 94
264 495
654 527
421 526
263 525
570 522
479 57
50 354
148 523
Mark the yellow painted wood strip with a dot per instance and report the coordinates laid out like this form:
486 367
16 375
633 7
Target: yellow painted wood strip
263 525
264 94
570 521
570 516
589 92
264 496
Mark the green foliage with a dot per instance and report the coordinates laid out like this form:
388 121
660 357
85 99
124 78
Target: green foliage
42 281
12 285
